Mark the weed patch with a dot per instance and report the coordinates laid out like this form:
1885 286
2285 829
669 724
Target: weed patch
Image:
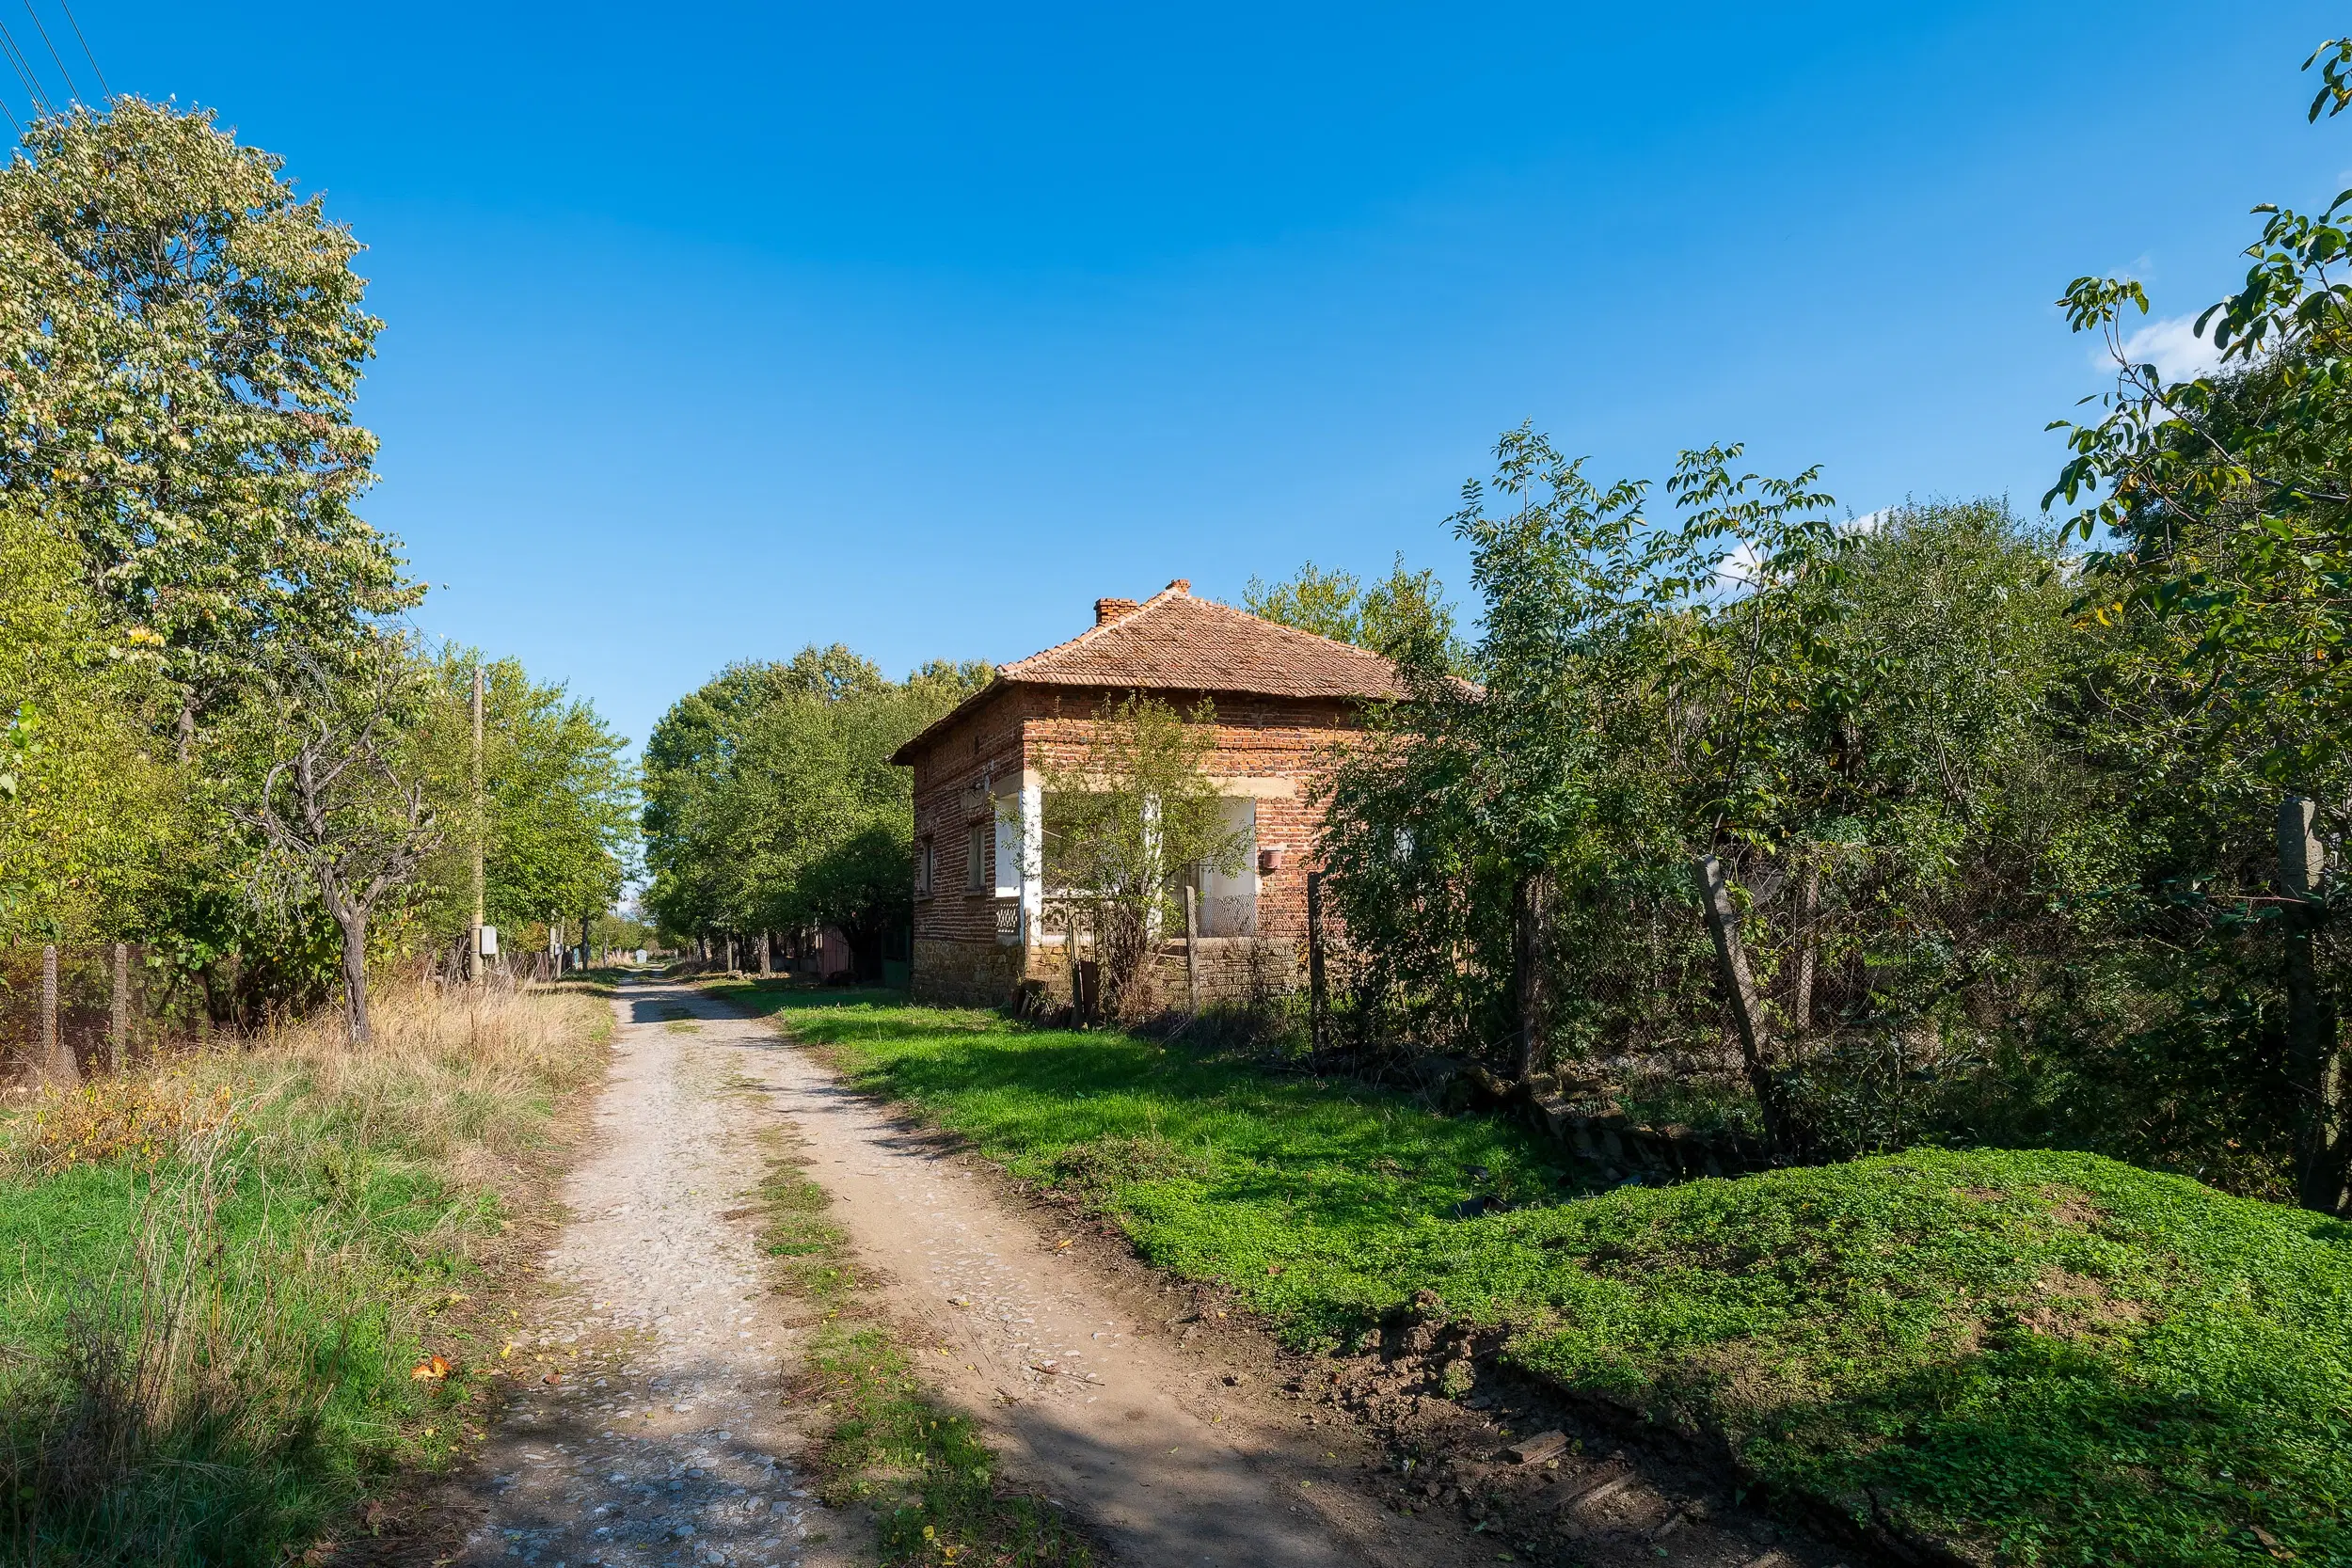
925 1471
227 1275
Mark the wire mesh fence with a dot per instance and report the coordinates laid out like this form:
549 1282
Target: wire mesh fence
72 1011
1863 1000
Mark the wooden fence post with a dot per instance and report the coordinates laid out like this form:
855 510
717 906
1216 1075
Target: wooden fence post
118 1017
1747 1016
1192 944
1318 998
2322 1131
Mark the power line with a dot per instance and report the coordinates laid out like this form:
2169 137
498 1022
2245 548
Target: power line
76 25
23 71
73 91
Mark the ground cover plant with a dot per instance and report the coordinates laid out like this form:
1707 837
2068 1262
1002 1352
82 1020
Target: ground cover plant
215 1346
927 1471
2032 1357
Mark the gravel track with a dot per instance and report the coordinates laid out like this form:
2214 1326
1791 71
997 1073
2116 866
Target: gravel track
647 1422
662 1437
665 1438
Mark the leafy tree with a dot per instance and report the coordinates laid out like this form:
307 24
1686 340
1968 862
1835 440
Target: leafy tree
181 337
1401 611
771 802
1592 757
344 804
560 802
88 814
2221 505
1124 821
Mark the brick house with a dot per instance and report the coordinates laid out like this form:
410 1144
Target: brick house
1282 698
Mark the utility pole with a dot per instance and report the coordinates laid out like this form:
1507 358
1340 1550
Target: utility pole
475 961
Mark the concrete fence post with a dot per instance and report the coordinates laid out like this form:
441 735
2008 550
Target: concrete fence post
1530 915
1318 997
1192 945
2317 1061
56 1055
1808 943
118 1017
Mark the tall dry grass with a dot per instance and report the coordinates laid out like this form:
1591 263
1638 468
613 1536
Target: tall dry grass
464 1078
206 1360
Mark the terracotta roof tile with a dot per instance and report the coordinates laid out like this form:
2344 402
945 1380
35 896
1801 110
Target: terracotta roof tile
1174 642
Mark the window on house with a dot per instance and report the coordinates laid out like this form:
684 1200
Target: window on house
925 866
975 859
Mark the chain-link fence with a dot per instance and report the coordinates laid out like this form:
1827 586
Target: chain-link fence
1849 998
71 1011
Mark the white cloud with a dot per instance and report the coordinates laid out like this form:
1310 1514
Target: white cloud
2172 346
1736 573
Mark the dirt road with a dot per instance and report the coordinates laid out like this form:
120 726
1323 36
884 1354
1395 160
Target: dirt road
665 1438
659 1434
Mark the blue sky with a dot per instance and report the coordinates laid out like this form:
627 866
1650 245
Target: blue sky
714 331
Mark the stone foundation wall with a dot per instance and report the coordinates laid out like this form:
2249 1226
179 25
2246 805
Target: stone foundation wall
964 973
1234 971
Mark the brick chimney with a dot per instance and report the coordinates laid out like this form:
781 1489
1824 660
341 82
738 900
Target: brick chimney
1107 610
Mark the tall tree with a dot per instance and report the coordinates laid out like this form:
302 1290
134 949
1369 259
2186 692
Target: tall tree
2221 507
88 814
560 801
771 801
181 339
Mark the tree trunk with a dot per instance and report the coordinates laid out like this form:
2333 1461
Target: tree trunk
1747 1016
354 925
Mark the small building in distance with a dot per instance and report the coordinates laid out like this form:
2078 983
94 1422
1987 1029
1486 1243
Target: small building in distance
1282 697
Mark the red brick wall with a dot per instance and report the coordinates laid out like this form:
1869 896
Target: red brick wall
1258 738
1283 742
982 747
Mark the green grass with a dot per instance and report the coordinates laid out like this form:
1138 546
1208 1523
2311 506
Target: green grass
925 1469
206 1343
2035 1356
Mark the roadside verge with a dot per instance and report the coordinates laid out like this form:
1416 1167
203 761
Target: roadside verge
1965 1354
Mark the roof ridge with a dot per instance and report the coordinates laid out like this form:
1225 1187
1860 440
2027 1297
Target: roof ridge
1100 628
1167 644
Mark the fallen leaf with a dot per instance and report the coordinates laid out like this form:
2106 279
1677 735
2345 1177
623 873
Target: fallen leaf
431 1369
553 1378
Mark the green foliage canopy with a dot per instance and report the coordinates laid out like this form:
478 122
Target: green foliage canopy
181 339
771 802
